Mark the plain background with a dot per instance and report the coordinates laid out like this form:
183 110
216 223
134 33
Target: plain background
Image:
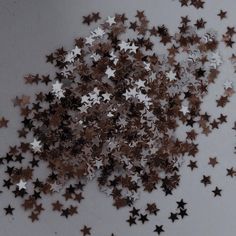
31 29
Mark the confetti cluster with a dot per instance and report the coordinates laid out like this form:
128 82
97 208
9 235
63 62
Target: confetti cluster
111 114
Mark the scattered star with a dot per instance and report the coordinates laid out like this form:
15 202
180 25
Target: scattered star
159 229
173 217
9 210
110 72
85 230
217 191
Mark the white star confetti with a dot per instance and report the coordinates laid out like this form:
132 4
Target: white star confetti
171 75
110 72
21 184
36 145
110 20
228 84
184 109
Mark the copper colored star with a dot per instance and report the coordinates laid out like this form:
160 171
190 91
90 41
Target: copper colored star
212 161
85 230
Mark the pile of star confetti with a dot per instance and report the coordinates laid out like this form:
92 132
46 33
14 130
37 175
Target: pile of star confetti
111 114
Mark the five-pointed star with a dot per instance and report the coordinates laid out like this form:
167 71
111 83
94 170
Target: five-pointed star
222 14
89 40
98 164
70 57
183 212
76 51
228 84
152 77
206 180
231 172
140 83
159 229
36 145
131 220
85 230
56 187
95 56
110 72
9 210
110 20
3 122
171 75
173 217
106 96
192 164
184 109
212 161
21 184
56 87
133 48
98 32
181 203
217 191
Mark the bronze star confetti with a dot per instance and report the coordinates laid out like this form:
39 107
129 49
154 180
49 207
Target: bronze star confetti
85 230
3 122
212 161
222 14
